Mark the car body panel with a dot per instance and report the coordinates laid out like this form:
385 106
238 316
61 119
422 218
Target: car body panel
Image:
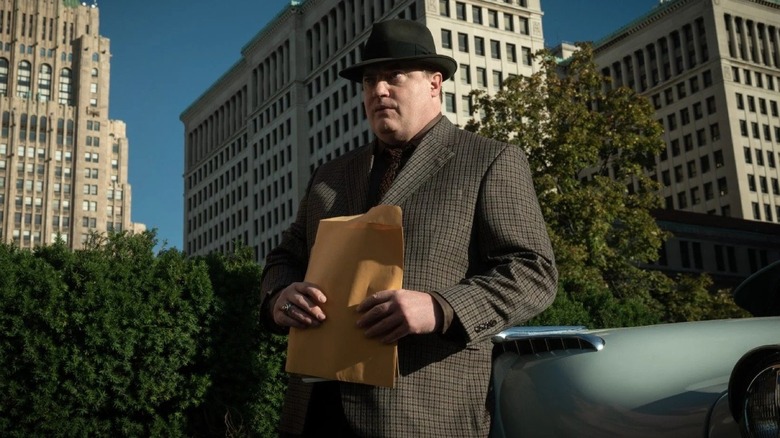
666 380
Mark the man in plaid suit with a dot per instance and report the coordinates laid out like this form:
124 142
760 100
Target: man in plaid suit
477 254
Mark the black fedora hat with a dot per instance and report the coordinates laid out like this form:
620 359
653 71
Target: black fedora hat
400 41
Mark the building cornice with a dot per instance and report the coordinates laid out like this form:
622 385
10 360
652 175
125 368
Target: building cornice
656 14
275 25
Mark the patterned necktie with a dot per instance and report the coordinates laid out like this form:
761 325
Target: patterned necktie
393 158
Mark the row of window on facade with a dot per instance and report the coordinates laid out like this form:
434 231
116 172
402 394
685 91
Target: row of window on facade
747 39
216 206
763 181
692 172
479 47
209 134
27 23
671 125
37 130
491 17
22 202
756 131
217 160
676 149
692 169
756 207
693 197
723 258
682 90
221 231
230 176
335 29
43 91
632 69
318 142
754 78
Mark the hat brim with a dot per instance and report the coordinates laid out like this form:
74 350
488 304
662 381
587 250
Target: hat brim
441 63
759 294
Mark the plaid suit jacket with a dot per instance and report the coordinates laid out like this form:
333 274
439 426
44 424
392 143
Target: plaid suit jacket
474 233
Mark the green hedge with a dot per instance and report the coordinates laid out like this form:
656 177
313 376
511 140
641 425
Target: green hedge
118 340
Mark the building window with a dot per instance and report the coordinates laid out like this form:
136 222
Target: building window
682 200
449 102
495 49
44 83
681 90
481 77
523 25
3 77
460 11
671 122
444 8
527 57
23 80
479 46
497 80
446 39
463 42
711 108
509 22
511 52
465 74
465 105
476 14
65 88
493 18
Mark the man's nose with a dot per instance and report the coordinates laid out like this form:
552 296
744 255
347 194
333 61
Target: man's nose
381 88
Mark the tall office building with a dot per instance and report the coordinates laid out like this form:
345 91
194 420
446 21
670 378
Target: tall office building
63 162
711 69
254 138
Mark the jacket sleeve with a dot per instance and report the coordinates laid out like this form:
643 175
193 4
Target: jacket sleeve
285 264
513 275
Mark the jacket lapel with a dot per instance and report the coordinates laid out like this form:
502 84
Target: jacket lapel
356 179
431 155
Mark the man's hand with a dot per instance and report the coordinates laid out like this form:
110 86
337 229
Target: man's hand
298 305
393 314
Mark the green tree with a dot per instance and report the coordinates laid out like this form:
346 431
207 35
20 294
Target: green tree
247 362
589 145
692 299
101 341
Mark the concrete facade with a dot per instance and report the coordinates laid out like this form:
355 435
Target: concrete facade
254 138
63 162
711 70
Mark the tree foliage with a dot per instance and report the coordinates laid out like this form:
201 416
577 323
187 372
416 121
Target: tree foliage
101 341
246 364
589 146
115 340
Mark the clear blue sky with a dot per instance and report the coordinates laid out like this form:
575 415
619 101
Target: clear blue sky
167 53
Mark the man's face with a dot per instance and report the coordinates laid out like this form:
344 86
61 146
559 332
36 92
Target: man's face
400 101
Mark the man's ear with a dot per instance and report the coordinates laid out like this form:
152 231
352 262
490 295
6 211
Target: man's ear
435 82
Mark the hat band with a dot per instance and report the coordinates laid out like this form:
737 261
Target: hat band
394 49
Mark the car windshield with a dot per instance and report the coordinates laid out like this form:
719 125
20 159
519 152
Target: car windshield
759 294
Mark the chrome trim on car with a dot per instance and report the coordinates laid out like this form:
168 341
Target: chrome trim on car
535 340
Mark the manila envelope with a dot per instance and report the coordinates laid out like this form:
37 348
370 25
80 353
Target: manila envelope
352 258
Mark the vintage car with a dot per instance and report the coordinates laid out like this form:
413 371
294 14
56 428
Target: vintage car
695 379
